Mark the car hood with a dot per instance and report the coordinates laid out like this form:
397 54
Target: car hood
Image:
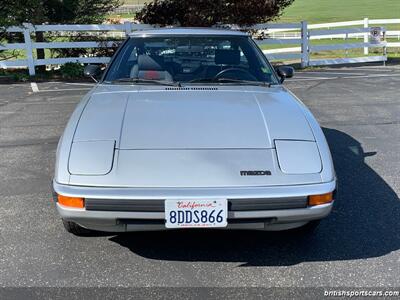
196 118
203 137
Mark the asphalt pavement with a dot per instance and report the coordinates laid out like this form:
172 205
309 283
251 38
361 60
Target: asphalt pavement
358 245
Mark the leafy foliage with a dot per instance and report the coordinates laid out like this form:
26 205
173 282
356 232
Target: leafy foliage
71 70
205 13
16 12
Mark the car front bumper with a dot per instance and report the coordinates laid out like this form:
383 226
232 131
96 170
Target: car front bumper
276 218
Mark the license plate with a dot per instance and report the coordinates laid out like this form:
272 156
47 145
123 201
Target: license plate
196 213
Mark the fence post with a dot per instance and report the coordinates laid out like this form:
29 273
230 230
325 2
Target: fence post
384 47
305 56
366 25
28 28
128 28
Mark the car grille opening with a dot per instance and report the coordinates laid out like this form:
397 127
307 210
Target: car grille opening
157 205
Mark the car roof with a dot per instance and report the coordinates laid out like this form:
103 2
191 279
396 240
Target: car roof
186 31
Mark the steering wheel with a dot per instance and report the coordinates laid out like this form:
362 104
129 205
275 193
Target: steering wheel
233 69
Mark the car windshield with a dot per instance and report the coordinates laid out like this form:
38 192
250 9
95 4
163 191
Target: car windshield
227 59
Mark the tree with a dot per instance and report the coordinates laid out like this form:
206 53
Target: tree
16 12
55 11
205 13
8 17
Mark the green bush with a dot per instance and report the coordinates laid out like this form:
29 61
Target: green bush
71 70
20 77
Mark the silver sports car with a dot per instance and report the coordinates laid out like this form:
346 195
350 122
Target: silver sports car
192 128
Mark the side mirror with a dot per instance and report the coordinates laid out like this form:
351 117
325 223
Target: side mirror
92 71
285 72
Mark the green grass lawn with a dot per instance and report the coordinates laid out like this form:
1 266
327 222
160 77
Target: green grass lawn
321 11
391 52
324 11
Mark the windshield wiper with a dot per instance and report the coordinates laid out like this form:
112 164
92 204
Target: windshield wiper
146 81
229 80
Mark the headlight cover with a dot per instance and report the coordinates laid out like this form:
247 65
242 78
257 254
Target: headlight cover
298 157
91 157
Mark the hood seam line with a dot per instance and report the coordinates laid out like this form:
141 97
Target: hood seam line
264 120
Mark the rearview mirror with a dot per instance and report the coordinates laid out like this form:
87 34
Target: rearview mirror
285 72
92 71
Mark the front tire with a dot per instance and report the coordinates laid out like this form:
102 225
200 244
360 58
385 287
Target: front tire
75 229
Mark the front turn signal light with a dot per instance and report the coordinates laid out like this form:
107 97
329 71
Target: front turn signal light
320 199
71 201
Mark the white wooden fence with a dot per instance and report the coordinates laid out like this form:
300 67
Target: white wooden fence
29 45
301 34
304 35
128 8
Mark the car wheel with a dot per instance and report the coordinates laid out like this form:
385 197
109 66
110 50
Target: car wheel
75 229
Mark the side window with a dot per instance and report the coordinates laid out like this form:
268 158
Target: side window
121 67
133 56
225 45
243 59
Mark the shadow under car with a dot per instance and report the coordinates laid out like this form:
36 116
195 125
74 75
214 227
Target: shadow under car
364 223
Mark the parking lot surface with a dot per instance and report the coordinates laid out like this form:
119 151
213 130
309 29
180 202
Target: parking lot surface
358 245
